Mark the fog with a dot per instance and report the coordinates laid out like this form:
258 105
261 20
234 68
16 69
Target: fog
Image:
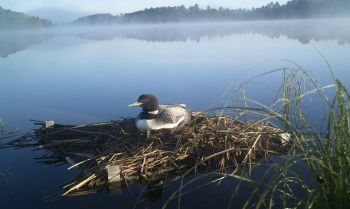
303 31
81 75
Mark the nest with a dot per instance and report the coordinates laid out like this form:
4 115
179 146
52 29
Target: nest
117 153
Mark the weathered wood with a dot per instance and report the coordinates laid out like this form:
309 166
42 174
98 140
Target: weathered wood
49 123
115 154
69 160
113 172
114 180
285 138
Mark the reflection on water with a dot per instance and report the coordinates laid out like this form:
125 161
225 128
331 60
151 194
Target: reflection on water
85 75
10 43
301 30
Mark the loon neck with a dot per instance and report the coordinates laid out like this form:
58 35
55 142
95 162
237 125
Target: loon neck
148 114
151 110
154 112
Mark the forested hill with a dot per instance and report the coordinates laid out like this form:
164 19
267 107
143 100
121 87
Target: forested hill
304 9
16 20
294 9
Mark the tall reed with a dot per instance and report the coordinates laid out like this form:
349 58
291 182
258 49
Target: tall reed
326 155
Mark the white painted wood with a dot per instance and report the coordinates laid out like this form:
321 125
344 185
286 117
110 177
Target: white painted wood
113 173
285 138
114 180
49 123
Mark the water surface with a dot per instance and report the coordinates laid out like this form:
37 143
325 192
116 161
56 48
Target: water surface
90 74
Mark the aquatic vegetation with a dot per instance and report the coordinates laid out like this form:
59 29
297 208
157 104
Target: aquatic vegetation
209 143
325 155
227 142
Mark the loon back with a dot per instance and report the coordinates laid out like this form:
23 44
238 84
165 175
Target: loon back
155 116
175 113
168 117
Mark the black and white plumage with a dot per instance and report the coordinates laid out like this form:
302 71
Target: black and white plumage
154 116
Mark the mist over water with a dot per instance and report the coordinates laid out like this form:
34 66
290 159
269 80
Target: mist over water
304 31
70 72
90 74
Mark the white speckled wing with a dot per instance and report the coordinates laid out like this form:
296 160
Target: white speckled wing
174 114
168 117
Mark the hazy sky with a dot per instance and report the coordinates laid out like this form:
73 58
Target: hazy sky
118 6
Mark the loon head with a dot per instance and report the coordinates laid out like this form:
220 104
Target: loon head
148 102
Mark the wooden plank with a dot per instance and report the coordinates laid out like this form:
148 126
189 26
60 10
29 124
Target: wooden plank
113 172
49 123
69 160
114 180
285 138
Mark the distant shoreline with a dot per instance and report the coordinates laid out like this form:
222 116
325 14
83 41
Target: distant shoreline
292 10
184 23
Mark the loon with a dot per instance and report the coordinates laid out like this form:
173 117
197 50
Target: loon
155 116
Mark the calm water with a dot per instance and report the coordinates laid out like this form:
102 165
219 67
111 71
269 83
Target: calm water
87 75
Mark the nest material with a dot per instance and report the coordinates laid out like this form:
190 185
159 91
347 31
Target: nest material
209 143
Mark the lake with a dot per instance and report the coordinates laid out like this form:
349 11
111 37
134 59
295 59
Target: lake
79 75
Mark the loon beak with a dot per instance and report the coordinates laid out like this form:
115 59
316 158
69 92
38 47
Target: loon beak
135 104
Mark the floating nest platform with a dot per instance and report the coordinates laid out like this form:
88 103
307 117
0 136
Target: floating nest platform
116 154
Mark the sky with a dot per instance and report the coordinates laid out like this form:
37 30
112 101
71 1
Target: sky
123 6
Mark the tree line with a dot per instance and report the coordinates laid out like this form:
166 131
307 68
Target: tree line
10 20
292 9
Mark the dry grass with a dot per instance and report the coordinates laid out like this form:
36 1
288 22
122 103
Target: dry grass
209 143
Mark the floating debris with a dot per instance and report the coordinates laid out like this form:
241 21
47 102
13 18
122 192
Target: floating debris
115 154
